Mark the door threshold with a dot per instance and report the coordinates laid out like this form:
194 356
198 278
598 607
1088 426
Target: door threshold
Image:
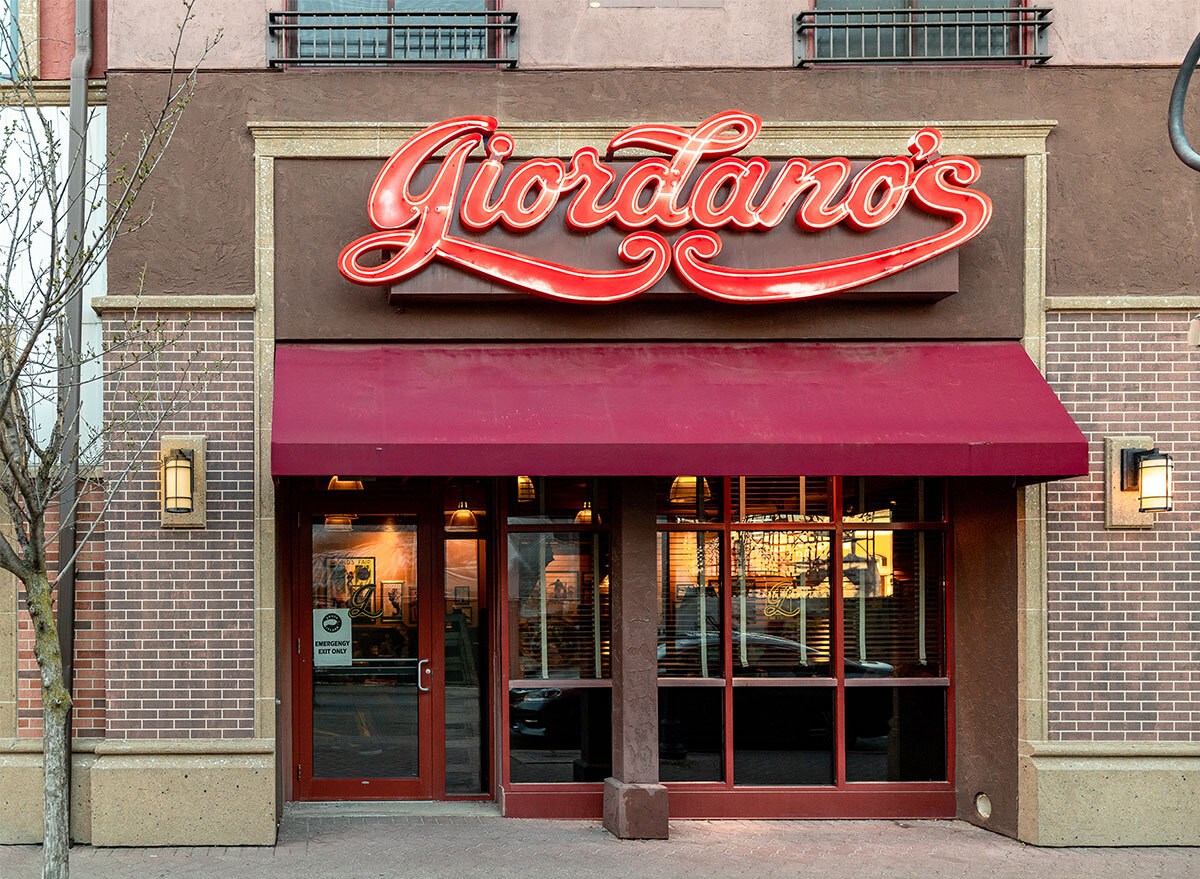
393 809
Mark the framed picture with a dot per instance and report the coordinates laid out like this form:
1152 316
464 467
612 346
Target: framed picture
462 594
348 575
562 585
393 599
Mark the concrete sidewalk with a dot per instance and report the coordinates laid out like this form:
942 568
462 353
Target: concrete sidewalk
460 847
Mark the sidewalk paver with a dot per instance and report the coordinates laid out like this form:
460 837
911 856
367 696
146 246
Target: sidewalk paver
461 847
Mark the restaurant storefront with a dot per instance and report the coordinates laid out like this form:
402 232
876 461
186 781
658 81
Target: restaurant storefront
494 583
453 337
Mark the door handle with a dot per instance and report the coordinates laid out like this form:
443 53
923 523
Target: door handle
423 668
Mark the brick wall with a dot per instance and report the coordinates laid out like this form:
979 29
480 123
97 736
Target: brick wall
1124 605
179 603
89 696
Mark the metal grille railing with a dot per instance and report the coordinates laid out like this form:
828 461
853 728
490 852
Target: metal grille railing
385 38
909 34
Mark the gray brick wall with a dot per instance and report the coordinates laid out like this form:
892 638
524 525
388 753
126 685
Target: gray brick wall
1124 606
179 603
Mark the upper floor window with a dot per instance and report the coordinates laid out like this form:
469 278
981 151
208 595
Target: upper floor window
921 32
380 33
9 39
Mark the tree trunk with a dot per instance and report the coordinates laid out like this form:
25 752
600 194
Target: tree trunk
56 743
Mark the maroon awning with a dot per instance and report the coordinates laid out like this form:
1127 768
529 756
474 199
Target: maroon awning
954 409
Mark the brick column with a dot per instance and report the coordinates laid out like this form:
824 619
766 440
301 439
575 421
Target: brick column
635 804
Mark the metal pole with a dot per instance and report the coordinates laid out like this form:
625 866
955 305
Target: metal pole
73 349
1179 141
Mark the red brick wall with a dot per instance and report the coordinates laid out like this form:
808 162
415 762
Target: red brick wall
89 693
1124 605
179 603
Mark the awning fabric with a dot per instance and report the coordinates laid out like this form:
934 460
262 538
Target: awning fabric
953 409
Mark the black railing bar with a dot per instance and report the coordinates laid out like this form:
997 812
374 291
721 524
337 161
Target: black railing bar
319 13
922 59
835 13
397 26
879 25
383 62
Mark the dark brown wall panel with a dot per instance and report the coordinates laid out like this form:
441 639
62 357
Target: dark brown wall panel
1111 173
985 647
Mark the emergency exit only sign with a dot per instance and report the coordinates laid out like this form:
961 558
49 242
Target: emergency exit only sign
331 637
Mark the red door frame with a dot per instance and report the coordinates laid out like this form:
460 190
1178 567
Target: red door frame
429 722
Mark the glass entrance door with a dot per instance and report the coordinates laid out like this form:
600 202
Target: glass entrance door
366 682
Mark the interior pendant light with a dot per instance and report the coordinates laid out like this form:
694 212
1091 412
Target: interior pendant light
683 489
339 523
462 519
336 483
587 516
526 492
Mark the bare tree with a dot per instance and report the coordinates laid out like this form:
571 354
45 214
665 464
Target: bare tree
45 271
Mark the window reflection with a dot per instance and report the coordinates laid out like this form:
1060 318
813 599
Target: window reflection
893 586
689 604
557 500
883 499
781 603
759 499
559 610
783 735
364 714
691 741
560 734
464 660
895 734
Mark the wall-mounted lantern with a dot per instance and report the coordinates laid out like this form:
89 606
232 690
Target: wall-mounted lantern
178 481
183 476
1149 472
1137 481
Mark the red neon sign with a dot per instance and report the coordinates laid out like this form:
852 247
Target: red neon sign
730 192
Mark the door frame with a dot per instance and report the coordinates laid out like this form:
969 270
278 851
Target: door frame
430 724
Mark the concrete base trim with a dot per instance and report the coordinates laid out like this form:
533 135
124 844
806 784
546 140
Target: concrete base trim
635 811
1070 800
131 792
21 795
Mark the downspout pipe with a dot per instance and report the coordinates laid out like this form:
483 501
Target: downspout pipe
77 203
1179 141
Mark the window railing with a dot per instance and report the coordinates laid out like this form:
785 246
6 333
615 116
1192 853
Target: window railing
904 32
386 38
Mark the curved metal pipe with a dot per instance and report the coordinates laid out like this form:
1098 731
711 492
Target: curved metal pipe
1179 141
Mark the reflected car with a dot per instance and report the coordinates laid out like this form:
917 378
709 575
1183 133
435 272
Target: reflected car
768 656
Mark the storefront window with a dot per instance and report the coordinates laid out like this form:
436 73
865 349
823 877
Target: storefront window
464 660
557 500
691 734
559 630
776 499
783 736
781 603
808 594
885 499
561 613
893 587
690 604
688 499
896 734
